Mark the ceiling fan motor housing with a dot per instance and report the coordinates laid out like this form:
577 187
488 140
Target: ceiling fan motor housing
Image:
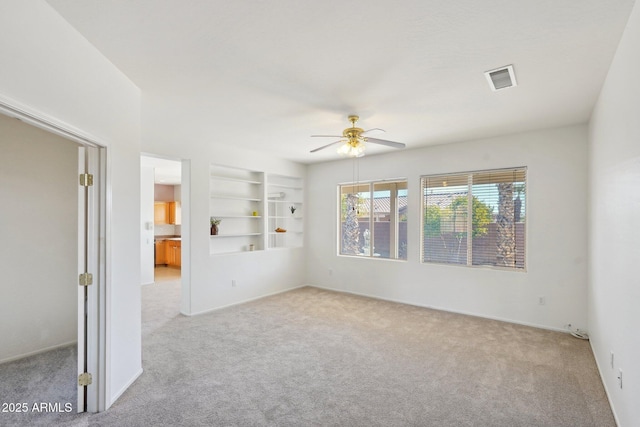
353 135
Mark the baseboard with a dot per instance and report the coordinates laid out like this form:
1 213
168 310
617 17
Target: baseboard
515 322
243 301
33 353
604 384
124 388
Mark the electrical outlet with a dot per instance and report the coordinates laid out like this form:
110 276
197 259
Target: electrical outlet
542 300
331 272
233 283
620 378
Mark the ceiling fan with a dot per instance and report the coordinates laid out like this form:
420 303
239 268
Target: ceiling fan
353 140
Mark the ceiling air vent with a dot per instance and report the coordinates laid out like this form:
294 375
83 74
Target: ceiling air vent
501 78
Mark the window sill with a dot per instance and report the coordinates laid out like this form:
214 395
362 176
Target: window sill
476 267
376 258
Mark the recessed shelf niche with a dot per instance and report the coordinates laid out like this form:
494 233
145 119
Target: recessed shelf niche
251 206
284 194
237 200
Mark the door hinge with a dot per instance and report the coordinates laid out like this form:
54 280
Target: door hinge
86 179
84 379
85 279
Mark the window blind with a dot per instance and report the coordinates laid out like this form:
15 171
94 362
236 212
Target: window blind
475 218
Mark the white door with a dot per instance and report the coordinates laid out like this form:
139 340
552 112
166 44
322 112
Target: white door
88 278
83 208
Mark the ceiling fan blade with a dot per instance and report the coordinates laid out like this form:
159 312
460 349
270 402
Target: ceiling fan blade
325 146
373 130
326 136
385 142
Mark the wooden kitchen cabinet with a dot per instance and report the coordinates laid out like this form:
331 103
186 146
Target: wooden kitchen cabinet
178 256
175 213
167 213
161 213
161 252
174 253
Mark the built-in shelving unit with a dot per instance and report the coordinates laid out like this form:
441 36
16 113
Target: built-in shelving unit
283 194
251 205
237 199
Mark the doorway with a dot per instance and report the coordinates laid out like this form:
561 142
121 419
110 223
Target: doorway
162 207
50 229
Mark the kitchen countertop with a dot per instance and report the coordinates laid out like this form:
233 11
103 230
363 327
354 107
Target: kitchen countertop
169 237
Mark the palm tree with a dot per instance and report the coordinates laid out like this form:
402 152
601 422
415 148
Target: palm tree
351 234
505 223
517 204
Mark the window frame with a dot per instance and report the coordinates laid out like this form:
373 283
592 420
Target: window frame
470 195
394 245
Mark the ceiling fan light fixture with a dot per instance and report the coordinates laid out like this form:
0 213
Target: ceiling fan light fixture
353 142
352 149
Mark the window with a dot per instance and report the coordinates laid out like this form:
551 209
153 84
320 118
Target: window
373 219
475 218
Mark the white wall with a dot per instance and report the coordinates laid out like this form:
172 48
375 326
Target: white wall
206 279
50 70
614 186
163 193
556 231
147 260
38 231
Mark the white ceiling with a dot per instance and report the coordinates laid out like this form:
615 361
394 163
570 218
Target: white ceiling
266 75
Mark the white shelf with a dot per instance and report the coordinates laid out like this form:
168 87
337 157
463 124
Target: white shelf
246 199
226 178
290 192
234 194
238 216
236 235
285 186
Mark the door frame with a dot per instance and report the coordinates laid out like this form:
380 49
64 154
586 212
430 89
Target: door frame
185 204
97 244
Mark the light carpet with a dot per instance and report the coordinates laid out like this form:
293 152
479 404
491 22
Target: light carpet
312 357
